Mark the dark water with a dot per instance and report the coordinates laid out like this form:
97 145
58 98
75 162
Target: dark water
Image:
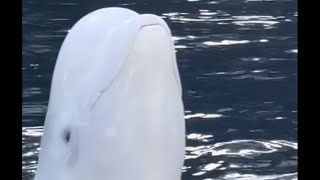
238 66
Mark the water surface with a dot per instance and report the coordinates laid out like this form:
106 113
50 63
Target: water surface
238 66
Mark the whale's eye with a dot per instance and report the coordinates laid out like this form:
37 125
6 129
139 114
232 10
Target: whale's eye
67 135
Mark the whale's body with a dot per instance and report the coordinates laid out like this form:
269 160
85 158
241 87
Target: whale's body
115 110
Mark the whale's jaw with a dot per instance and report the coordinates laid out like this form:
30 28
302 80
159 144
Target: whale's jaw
122 118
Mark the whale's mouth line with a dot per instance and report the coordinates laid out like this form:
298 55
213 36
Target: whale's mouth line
148 25
100 93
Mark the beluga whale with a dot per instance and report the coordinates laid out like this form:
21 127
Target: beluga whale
115 109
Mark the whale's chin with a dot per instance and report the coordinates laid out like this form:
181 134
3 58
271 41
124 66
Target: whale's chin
115 110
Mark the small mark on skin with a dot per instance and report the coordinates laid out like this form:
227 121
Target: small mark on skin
67 135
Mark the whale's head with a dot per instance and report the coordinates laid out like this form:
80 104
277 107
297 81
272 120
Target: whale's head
115 110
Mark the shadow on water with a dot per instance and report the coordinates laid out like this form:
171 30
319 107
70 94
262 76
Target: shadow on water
238 66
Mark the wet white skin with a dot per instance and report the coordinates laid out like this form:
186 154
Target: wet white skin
115 110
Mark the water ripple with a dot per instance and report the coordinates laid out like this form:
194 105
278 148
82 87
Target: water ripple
34 109
253 155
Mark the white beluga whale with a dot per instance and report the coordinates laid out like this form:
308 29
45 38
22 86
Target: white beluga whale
115 110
